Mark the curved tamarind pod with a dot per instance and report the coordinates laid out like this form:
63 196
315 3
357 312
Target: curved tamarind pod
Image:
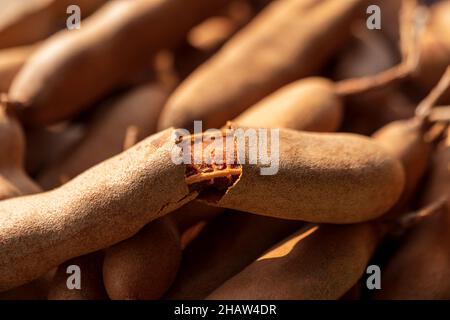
310 104
104 205
90 279
366 179
11 60
143 267
419 269
74 69
227 245
106 131
319 262
271 51
126 192
25 22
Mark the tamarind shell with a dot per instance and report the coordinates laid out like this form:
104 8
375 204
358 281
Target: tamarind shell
288 40
143 267
321 262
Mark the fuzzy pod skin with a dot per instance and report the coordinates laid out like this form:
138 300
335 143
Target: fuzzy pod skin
405 140
103 206
92 287
25 22
74 69
226 246
143 267
420 268
11 60
310 104
434 48
13 179
319 262
271 51
106 131
318 168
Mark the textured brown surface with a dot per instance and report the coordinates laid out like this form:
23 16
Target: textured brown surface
13 180
91 280
288 40
101 207
420 268
25 22
226 245
73 69
144 266
105 132
335 178
320 262
309 105
405 140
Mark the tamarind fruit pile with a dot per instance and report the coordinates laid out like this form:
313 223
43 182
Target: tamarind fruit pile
227 149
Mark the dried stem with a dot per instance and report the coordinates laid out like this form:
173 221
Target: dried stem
424 108
412 25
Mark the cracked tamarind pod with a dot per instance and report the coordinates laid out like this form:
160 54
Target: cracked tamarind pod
115 199
26 22
288 40
103 206
72 70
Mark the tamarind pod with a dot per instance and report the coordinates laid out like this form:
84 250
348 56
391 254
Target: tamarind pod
11 60
310 104
271 51
434 48
91 280
226 246
74 69
143 267
45 146
106 131
103 206
366 180
25 22
13 180
419 269
405 140
318 262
